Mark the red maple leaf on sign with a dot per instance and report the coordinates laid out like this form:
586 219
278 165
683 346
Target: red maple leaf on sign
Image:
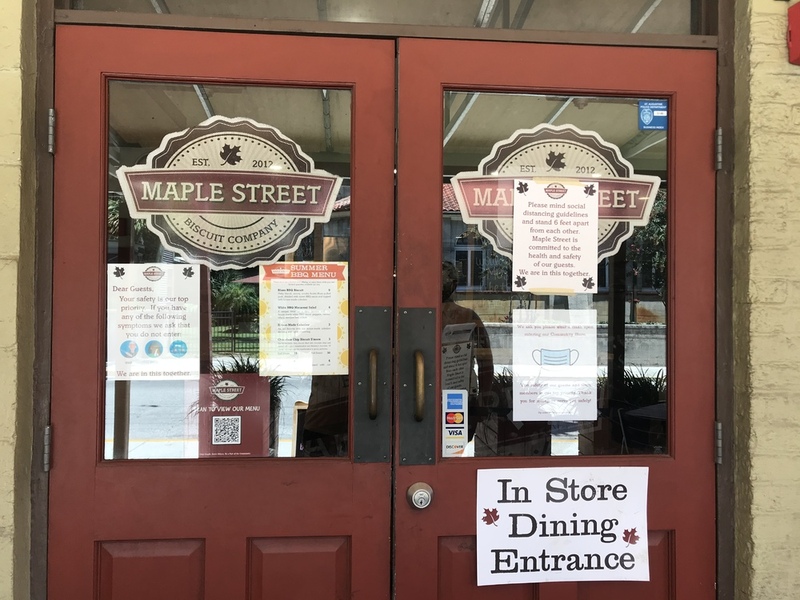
629 536
490 517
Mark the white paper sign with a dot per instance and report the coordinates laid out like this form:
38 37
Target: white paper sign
153 322
562 524
555 365
457 353
555 236
303 318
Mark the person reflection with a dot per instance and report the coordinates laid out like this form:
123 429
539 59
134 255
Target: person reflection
325 422
480 393
325 419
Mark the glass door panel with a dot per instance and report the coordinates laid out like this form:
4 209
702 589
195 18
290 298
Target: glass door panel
627 300
151 417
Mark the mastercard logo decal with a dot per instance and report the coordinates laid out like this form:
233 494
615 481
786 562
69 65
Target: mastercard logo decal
455 418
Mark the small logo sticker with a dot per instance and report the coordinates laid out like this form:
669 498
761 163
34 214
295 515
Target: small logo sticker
227 390
555 191
153 273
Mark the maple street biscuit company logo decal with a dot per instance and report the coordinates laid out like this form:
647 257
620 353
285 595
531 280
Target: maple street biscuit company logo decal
227 390
563 152
229 193
555 191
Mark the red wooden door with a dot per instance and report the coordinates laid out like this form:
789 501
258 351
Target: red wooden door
216 527
444 84
341 526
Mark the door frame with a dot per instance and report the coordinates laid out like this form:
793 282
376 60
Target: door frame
47 16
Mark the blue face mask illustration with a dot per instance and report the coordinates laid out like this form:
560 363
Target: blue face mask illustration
562 357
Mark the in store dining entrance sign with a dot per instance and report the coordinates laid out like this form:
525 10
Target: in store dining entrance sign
562 524
229 193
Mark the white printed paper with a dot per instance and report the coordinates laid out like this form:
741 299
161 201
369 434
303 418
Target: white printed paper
555 365
153 316
303 318
555 236
457 353
562 524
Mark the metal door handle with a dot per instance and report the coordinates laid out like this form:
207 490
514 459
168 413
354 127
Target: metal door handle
419 386
373 384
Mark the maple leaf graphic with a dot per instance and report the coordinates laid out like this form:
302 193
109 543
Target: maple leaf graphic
588 283
490 517
629 536
522 188
119 272
520 281
188 272
230 154
589 190
555 160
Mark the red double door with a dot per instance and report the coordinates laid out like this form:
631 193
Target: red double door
343 527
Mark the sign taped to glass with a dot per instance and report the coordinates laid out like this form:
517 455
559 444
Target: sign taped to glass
229 193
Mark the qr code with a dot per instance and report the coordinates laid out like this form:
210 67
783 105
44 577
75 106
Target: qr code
226 430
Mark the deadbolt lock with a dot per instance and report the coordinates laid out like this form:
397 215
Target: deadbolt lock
419 495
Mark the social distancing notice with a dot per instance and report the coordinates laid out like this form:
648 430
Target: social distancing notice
562 524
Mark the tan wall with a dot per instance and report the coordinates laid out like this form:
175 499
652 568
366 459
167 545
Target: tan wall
17 73
767 305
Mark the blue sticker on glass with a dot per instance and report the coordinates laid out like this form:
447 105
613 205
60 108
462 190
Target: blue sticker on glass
652 115
455 402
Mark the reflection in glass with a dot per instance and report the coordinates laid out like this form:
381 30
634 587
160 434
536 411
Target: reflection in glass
277 415
617 16
629 297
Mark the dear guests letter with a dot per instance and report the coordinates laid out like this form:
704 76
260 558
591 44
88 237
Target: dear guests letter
243 192
562 524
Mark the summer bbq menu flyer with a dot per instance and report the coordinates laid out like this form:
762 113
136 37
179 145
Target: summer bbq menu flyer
303 318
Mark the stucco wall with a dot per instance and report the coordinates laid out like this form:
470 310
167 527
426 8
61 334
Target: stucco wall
767 304
17 73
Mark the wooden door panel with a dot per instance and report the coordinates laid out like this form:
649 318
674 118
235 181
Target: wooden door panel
311 567
127 569
456 575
